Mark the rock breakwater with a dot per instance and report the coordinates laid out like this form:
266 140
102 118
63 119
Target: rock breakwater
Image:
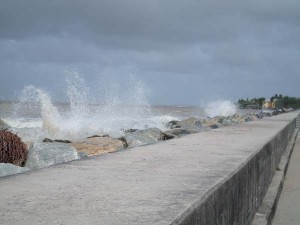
49 152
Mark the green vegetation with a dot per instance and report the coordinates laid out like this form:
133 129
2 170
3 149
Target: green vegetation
256 103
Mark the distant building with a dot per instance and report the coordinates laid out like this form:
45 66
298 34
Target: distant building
267 104
275 104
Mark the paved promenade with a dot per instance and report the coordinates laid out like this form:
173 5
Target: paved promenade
148 185
288 209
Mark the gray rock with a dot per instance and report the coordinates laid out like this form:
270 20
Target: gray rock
125 144
225 121
93 136
237 118
173 124
166 136
190 123
179 132
48 140
214 126
130 131
9 169
142 137
82 155
249 118
62 141
46 154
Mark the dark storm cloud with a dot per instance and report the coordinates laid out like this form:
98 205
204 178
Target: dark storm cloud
229 49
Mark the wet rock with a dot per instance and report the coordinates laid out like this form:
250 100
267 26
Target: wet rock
46 154
130 131
259 115
275 112
266 113
82 155
98 145
179 132
173 124
249 118
214 126
62 141
166 136
225 121
9 169
237 118
142 137
105 135
190 123
48 140
125 144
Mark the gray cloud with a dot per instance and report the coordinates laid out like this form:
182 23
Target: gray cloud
185 51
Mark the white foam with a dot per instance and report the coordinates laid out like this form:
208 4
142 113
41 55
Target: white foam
220 108
23 122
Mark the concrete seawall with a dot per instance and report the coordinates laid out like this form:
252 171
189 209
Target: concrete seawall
214 177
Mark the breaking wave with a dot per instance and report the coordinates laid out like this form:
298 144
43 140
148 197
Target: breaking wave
220 108
80 117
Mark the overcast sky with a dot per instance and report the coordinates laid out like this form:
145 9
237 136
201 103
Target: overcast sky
184 52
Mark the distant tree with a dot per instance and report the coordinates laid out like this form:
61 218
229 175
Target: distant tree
292 102
261 101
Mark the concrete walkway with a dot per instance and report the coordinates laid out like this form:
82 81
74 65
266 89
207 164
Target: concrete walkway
288 209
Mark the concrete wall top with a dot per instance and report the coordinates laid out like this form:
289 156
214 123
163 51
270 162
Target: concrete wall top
151 184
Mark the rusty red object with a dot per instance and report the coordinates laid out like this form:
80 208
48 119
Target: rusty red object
12 149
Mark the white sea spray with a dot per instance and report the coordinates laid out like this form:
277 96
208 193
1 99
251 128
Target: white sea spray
220 108
85 115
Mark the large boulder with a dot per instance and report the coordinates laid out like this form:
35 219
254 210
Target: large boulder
12 149
141 137
225 121
266 113
211 123
9 169
249 118
46 154
190 123
237 118
179 132
98 145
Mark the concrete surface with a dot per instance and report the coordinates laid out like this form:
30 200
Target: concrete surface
214 177
288 209
266 212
